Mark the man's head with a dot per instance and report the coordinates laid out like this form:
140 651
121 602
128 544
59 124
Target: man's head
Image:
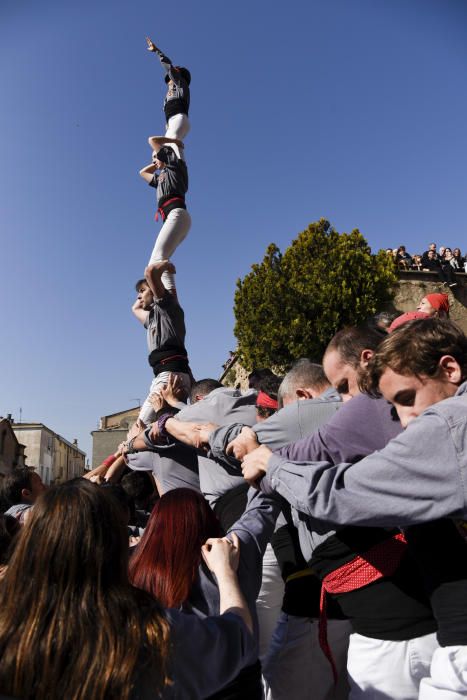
347 356
145 296
199 390
160 158
184 72
304 380
432 247
22 485
419 364
158 161
431 254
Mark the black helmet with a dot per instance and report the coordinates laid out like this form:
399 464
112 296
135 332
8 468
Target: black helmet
184 72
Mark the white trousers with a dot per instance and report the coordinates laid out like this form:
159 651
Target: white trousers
147 413
296 666
379 669
177 127
174 230
448 678
269 601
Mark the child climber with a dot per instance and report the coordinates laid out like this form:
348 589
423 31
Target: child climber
177 99
168 174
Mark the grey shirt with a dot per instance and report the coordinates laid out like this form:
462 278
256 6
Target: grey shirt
420 476
177 99
207 654
286 426
298 419
174 467
222 406
172 180
254 530
165 324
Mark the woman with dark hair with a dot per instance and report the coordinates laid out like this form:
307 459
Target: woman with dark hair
167 562
72 626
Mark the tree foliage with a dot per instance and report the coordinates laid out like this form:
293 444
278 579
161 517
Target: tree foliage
290 305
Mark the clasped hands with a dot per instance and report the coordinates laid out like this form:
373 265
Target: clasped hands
253 456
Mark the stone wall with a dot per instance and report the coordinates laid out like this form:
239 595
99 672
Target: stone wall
413 286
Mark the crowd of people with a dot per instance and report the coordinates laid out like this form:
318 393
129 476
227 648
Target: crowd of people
446 262
300 539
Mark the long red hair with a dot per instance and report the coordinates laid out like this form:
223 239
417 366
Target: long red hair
166 560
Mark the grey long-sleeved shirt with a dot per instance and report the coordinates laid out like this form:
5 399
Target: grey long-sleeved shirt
420 476
287 425
298 419
254 530
222 406
174 467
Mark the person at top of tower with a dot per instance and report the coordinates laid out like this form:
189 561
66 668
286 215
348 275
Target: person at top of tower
177 99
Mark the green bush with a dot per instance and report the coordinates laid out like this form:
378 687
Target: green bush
290 305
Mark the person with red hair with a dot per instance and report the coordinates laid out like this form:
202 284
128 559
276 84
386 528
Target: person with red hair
168 563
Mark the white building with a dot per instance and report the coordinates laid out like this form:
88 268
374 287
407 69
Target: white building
53 457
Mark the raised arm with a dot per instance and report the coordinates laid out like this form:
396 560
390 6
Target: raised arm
222 558
156 142
173 72
147 173
139 312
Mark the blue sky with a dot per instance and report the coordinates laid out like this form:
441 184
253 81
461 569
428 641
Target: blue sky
354 111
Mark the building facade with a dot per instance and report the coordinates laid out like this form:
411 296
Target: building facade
54 458
112 431
11 450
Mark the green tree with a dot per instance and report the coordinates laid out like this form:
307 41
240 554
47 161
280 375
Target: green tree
290 305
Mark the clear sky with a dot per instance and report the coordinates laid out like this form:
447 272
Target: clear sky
354 110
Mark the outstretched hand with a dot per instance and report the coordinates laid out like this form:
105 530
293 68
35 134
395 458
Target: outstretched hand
151 45
222 555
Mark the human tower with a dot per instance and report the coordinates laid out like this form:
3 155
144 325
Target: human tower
157 304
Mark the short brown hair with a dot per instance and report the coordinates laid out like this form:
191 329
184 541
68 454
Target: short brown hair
352 340
140 283
416 348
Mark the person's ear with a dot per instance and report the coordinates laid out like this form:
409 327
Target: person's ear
26 495
303 393
451 369
365 357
